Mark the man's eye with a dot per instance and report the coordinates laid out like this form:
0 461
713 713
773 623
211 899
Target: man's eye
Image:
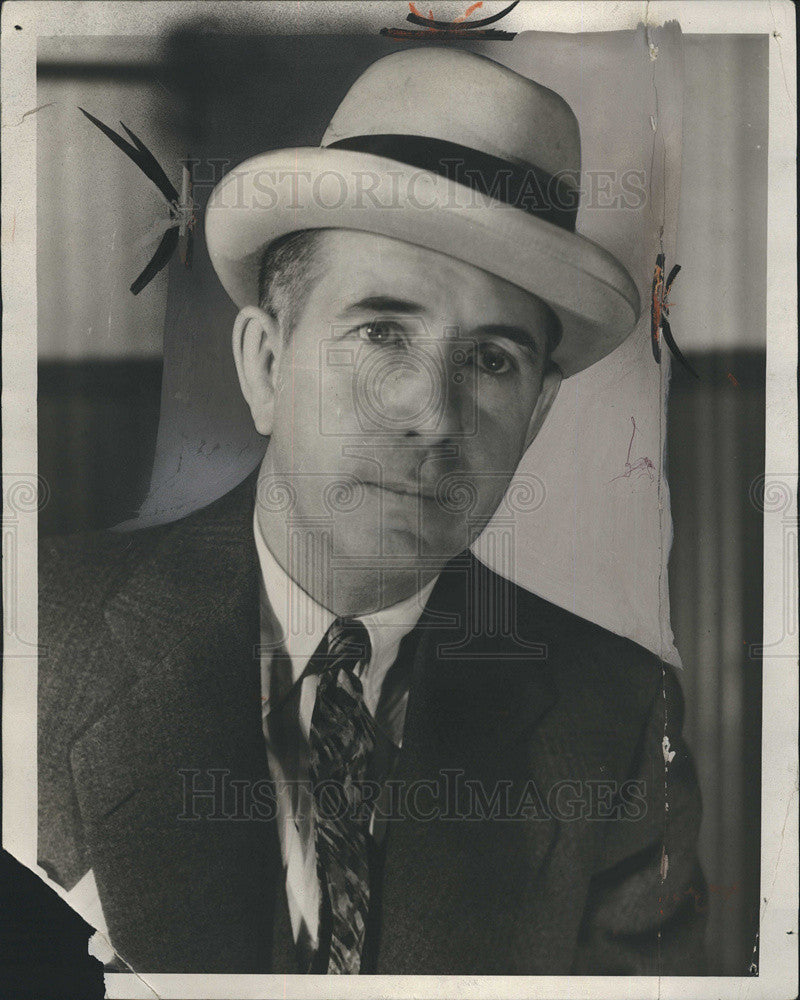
493 360
381 331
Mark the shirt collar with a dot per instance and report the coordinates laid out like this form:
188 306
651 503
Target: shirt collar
300 623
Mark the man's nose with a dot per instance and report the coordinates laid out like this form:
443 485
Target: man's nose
419 392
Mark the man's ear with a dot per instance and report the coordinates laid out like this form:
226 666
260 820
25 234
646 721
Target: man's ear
551 383
257 348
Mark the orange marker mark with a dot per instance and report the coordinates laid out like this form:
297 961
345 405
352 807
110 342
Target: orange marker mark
470 10
430 15
467 13
657 297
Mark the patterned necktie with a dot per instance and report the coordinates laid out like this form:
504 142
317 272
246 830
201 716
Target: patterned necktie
342 739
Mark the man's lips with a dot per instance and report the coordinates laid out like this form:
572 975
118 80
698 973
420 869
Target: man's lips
404 490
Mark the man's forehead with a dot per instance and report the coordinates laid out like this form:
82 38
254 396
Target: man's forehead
366 257
369 269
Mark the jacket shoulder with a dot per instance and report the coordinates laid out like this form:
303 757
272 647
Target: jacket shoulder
84 664
595 666
78 576
79 672
82 569
602 674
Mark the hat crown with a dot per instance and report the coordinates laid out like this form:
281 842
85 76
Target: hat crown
464 98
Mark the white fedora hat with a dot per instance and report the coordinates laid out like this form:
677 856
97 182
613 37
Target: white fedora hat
451 151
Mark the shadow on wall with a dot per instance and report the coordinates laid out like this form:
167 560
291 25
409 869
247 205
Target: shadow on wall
715 453
98 422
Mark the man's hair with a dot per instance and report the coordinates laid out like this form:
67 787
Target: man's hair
290 266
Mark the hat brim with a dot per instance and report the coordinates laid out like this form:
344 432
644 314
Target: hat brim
286 190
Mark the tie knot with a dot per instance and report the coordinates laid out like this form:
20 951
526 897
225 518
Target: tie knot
348 645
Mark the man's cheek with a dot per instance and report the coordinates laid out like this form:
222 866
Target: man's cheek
495 449
321 406
503 443
336 405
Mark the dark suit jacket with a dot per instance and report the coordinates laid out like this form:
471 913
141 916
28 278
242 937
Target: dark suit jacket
552 852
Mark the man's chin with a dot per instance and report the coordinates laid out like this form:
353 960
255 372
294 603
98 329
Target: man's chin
401 543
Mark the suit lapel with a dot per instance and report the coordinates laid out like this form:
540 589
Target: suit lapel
459 868
172 780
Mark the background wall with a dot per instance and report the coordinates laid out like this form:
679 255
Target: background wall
715 445
100 352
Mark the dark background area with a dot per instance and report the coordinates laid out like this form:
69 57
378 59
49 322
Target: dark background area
715 452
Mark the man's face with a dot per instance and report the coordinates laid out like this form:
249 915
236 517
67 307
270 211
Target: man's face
403 399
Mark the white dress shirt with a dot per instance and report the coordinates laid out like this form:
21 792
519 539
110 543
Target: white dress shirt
288 703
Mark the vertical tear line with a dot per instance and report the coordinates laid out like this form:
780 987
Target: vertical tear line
654 125
663 386
663 382
777 36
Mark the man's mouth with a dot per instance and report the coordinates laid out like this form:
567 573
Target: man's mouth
410 490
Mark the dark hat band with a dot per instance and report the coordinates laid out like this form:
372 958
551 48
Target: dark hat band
526 187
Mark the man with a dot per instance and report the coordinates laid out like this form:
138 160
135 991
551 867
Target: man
303 729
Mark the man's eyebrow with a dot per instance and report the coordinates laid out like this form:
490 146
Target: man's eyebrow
383 304
517 334
377 304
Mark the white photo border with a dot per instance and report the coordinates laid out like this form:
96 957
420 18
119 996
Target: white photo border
22 24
